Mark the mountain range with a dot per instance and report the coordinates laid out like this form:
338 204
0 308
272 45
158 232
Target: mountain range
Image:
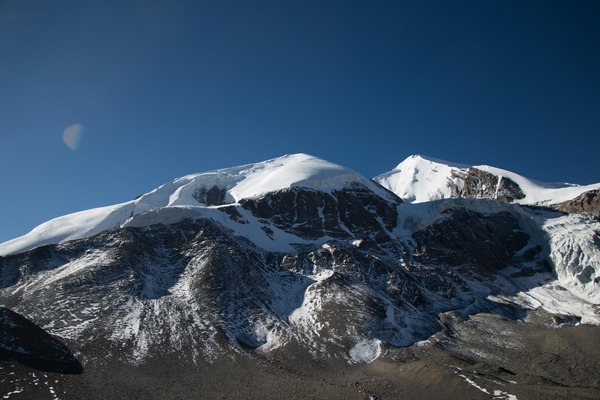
294 262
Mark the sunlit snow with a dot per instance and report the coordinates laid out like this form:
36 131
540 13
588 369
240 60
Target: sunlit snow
420 179
244 182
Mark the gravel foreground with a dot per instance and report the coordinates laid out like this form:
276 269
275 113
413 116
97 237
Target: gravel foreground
481 357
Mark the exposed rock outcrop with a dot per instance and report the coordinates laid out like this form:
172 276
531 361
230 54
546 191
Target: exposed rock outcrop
480 184
586 202
341 214
489 241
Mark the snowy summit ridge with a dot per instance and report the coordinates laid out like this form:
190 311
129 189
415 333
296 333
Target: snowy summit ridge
420 179
417 179
254 180
197 192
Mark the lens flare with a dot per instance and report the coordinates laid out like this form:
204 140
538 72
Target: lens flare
72 136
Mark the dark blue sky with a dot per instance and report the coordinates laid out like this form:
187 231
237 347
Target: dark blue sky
167 88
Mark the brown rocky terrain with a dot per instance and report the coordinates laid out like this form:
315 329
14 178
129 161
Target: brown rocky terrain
586 202
513 360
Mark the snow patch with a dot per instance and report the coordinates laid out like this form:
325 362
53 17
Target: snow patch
366 351
500 395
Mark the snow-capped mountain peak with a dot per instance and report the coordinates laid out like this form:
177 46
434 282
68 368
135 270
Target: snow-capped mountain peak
195 195
254 180
417 160
419 179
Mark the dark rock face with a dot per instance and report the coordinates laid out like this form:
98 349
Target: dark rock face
481 184
584 273
35 261
342 214
585 202
213 196
23 341
488 241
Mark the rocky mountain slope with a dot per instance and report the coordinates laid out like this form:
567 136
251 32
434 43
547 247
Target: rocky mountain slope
298 261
